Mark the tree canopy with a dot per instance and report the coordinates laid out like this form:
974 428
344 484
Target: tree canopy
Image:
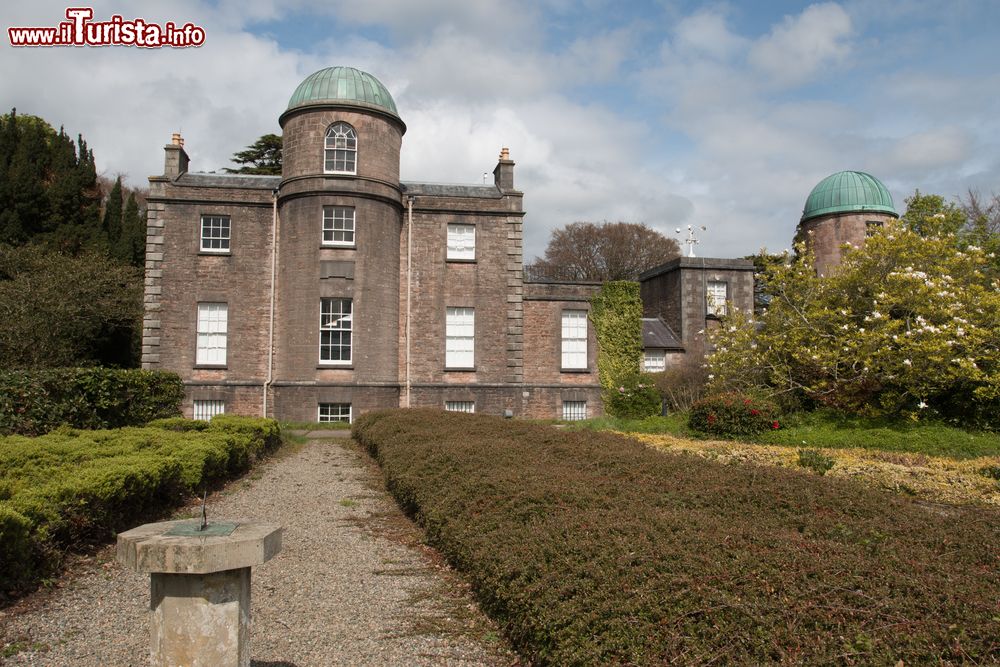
907 324
70 278
48 186
261 157
603 252
58 309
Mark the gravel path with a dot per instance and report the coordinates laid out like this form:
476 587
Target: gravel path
351 586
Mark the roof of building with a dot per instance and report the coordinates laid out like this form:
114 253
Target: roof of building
490 191
657 335
209 180
846 192
343 85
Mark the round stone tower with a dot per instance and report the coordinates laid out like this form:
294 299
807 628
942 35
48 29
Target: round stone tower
340 217
845 207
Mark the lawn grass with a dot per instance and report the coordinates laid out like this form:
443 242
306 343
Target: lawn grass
826 429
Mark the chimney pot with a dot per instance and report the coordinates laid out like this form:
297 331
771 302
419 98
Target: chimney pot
504 153
176 139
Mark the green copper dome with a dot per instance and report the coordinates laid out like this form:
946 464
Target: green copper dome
846 192
343 85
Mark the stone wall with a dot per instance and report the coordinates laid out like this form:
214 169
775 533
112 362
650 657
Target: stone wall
826 235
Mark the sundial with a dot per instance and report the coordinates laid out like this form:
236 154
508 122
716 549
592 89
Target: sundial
202 528
199 586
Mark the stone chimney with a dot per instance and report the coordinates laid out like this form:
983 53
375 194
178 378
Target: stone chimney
503 175
176 160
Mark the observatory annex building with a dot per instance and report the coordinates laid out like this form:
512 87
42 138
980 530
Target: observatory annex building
335 288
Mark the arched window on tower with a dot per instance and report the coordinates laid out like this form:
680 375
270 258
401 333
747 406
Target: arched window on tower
341 150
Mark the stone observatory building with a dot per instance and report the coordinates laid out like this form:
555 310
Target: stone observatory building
336 288
846 207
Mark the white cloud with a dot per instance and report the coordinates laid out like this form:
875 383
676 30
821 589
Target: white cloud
724 127
706 33
802 45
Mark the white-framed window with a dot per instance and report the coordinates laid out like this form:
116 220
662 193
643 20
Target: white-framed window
205 410
460 338
213 324
336 321
335 412
574 410
716 295
338 225
574 339
654 361
460 406
461 242
340 154
215 233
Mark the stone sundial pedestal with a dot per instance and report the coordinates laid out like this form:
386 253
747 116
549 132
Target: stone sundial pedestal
199 587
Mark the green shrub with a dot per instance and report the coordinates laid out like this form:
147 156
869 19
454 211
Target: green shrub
815 460
591 549
15 548
36 402
635 398
72 488
733 415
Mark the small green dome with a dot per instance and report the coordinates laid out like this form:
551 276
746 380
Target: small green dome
848 191
343 85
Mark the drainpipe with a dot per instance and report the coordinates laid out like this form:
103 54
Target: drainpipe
409 293
270 324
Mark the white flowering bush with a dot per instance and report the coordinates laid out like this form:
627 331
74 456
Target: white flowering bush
907 324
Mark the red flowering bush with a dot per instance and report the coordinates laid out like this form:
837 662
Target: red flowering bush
733 415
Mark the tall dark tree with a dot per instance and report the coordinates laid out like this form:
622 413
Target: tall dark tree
261 157
602 252
24 164
112 223
48 186
131 247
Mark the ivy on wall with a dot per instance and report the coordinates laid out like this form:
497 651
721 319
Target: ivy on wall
616 312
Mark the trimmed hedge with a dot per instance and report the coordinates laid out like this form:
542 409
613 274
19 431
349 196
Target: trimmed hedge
591 549
36 402
73 488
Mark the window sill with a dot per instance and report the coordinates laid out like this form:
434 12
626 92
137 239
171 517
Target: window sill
449 260
216 253
335 367
336 246
211 367
341 173
470 369
575 370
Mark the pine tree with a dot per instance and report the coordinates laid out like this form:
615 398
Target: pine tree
132 244
112 224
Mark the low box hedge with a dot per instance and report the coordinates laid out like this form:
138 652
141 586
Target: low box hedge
591 549
72 488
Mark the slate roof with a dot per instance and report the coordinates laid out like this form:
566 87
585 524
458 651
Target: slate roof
451 190
229 181
657 335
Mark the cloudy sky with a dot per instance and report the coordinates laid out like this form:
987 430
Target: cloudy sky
669 113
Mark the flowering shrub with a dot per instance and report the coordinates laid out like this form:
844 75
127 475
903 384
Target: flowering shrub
733 415
905 325
635 398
